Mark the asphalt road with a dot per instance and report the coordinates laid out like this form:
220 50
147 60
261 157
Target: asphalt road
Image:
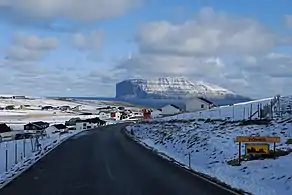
105 162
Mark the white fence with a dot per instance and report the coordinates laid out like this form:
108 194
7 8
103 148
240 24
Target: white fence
264 108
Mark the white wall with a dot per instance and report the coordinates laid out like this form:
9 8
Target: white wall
169 110
50 130
79 126
103 115
195 104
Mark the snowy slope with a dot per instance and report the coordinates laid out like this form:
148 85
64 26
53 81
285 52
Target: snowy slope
211 144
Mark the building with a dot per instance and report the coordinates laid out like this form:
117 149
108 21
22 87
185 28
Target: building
156 113
77 108
18 97
56 128
6 132
65 108
198 104
170 109
81 125
73 121
4 128
48 108
38 126
146 113
115 115
10 107
104 115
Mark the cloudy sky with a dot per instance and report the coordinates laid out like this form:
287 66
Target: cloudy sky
83 47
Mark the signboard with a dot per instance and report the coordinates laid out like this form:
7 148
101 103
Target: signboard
258 139
257 149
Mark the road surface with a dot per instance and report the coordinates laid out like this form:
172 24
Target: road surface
105 162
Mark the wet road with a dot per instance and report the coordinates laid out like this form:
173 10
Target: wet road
105 162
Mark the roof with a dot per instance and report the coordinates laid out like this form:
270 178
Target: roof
205 100
173 106
4 128
39 123
60 126
93 120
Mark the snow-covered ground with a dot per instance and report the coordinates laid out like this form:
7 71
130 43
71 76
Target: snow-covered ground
22 153
18 117
211 145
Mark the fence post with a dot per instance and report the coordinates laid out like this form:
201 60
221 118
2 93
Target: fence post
31 142
15 151
24 147
6 158
250 114
190 160
243 113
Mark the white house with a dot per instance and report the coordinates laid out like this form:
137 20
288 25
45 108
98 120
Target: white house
104 115
56 128
81 125
170 109
156 113
198 104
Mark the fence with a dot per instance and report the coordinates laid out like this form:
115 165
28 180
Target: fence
16 152
265 108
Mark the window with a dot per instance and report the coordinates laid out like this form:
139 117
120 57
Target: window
202 105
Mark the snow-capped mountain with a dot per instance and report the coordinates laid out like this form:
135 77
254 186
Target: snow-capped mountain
168 87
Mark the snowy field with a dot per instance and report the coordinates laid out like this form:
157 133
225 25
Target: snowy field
18 124
23 153
211 145
18 117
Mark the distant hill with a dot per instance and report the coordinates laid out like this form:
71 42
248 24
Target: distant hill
164 90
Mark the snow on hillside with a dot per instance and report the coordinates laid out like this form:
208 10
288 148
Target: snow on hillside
211 144
169 87
36 102
33 110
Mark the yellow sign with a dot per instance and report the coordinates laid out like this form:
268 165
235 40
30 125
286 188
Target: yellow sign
258 139
257 148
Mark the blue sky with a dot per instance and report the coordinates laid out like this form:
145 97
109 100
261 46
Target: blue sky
50 48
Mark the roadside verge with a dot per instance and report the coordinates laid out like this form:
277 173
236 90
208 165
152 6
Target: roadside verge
28 163
183 167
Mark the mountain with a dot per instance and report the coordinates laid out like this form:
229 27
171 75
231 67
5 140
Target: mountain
174 88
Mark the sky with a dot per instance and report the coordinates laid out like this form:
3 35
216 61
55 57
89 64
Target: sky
84 47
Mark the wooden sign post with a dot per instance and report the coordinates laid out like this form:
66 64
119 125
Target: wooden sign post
254 147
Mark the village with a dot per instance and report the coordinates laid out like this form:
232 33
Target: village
22 117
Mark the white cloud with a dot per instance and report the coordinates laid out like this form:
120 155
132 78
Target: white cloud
72 9
275 65
156 65
29 47
36 79
91 41
234 52
288 21
210 33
